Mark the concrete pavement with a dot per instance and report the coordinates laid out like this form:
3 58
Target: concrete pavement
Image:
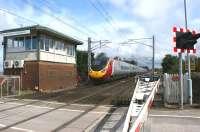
18 115
42 116
165 120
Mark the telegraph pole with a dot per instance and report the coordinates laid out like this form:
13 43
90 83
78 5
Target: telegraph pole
188 59
153 59
89 56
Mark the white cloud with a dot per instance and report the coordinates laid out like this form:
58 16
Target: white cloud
9 21
157 17
147 17
152 8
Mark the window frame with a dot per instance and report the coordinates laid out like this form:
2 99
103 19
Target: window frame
10 45
46 44
70 50
42 42
36 39
30 43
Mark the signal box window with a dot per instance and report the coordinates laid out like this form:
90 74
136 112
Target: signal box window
57 45
42 44
51 43
28 43
34 42
46 44
15 43
70 51
10 42
21 42
62 46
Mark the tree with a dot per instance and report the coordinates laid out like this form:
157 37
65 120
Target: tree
170 64
82 62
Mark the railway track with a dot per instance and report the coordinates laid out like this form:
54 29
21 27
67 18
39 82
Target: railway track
108 123
67 96
89 95
98 102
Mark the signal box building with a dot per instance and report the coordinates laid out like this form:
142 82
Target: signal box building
45 59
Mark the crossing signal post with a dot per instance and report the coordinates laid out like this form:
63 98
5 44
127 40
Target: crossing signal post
184 40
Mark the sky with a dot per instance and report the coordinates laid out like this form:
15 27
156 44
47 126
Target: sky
113 20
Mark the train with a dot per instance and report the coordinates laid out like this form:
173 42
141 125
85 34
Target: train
105 68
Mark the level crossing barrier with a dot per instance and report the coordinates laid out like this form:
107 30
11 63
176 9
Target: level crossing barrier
140 104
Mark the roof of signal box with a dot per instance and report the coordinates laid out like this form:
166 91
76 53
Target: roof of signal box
47 30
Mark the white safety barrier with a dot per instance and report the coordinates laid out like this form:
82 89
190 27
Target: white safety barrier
140 104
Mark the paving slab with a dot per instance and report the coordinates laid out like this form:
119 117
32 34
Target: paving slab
166 120
20 115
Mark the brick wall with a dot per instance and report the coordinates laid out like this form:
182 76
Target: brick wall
47 76
55 76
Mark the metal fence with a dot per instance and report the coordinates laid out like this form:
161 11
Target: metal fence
172 90
10 86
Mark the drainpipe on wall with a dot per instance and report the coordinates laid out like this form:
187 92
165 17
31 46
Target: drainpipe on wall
38 59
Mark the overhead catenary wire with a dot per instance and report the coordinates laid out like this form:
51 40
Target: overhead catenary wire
27 19
107 17
102 14
107 14
57 18
19 16
48 4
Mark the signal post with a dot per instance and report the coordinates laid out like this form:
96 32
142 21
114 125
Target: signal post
184 40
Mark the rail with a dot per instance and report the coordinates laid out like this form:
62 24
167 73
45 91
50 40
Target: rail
141 102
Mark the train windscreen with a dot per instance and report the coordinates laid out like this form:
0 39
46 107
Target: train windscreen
99 62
